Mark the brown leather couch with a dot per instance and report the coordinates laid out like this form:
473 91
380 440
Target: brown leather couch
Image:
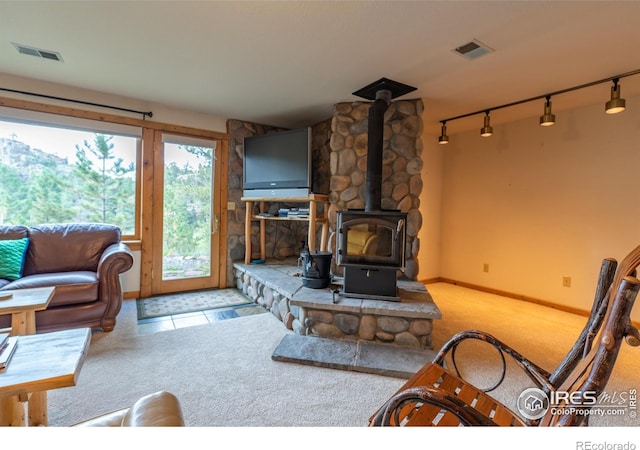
161 409
83 262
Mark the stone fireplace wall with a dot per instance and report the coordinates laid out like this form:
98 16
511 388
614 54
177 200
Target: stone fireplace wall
284 238
339 168
402 164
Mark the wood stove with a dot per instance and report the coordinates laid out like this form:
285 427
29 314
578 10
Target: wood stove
371 242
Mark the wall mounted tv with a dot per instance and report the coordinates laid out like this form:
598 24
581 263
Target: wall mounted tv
278 164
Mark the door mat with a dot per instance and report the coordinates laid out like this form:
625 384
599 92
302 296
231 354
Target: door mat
185 302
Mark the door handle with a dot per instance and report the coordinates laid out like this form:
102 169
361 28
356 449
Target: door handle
216 223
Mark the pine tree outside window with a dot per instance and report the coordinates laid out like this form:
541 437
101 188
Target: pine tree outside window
61 174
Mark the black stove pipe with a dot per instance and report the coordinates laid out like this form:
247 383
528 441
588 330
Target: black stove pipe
373 201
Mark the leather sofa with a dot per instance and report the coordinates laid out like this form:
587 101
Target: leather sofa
160 409
83 262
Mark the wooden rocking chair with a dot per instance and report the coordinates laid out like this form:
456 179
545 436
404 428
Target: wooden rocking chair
436 396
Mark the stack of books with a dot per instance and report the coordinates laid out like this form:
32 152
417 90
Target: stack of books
8 346
299 212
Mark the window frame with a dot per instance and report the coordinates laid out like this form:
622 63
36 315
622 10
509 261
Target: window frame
93 127
150 130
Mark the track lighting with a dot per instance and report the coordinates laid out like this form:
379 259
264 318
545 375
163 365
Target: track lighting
613 106
547 119
616 104
443 139
487 129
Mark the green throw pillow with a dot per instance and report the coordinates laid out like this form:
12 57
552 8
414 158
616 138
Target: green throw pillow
12 258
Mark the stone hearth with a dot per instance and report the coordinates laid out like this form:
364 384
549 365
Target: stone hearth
333 331
324 313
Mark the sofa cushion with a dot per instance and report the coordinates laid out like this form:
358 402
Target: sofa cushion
71 287
68 247
12 254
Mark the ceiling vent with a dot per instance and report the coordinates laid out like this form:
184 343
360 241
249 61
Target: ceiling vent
46 54
473 49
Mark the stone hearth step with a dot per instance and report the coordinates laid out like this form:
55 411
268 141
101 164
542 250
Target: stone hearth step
360 356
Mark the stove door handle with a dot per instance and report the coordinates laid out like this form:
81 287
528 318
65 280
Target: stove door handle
400 227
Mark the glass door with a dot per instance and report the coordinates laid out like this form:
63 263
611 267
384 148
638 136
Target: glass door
186 237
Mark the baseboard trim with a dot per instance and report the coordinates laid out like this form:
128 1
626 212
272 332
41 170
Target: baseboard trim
131 295
548 304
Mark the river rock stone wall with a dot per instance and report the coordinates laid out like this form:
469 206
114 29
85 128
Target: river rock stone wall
284 238
402 164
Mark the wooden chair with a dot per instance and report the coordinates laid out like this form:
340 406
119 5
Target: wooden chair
437 396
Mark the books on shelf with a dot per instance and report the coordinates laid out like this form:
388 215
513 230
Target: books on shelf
293 212
7 349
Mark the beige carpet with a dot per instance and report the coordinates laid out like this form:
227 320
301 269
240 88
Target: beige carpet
224 375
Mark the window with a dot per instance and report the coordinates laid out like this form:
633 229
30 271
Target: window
78 171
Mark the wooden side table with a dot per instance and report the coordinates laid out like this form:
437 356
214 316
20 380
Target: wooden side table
41 362
22 306
313 220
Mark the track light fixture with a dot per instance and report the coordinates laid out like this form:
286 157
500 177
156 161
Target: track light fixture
613 106
487 129
547 119
616 104
443 139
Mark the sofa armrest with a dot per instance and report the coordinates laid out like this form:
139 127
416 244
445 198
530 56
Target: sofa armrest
116 259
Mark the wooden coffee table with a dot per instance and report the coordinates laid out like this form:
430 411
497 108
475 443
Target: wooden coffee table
41 362
23 305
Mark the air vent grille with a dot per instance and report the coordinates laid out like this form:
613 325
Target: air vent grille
473 49
33 51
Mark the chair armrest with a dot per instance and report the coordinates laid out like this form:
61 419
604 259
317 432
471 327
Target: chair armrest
112 419
160 409
536 373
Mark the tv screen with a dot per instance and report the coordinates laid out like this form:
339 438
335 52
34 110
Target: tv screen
278 164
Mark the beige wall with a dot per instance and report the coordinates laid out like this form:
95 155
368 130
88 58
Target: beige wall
161 113
537 204
430 204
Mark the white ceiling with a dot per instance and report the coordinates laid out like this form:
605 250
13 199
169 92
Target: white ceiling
287 63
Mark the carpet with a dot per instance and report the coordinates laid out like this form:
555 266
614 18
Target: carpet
170 304
224 375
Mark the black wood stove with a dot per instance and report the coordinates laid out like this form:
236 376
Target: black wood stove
371 242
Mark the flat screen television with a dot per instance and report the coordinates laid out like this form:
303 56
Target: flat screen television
278 164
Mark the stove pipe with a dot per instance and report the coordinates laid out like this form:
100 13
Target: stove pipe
373 201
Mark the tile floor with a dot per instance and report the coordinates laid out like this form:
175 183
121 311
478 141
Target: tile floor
157 324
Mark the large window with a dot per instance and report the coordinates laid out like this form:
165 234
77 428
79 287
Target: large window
64 174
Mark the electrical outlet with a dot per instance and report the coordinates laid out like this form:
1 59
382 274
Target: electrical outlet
485 267
231 206
566 281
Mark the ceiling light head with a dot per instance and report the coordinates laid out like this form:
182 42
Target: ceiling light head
443 139
487 129
547 119
616 104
